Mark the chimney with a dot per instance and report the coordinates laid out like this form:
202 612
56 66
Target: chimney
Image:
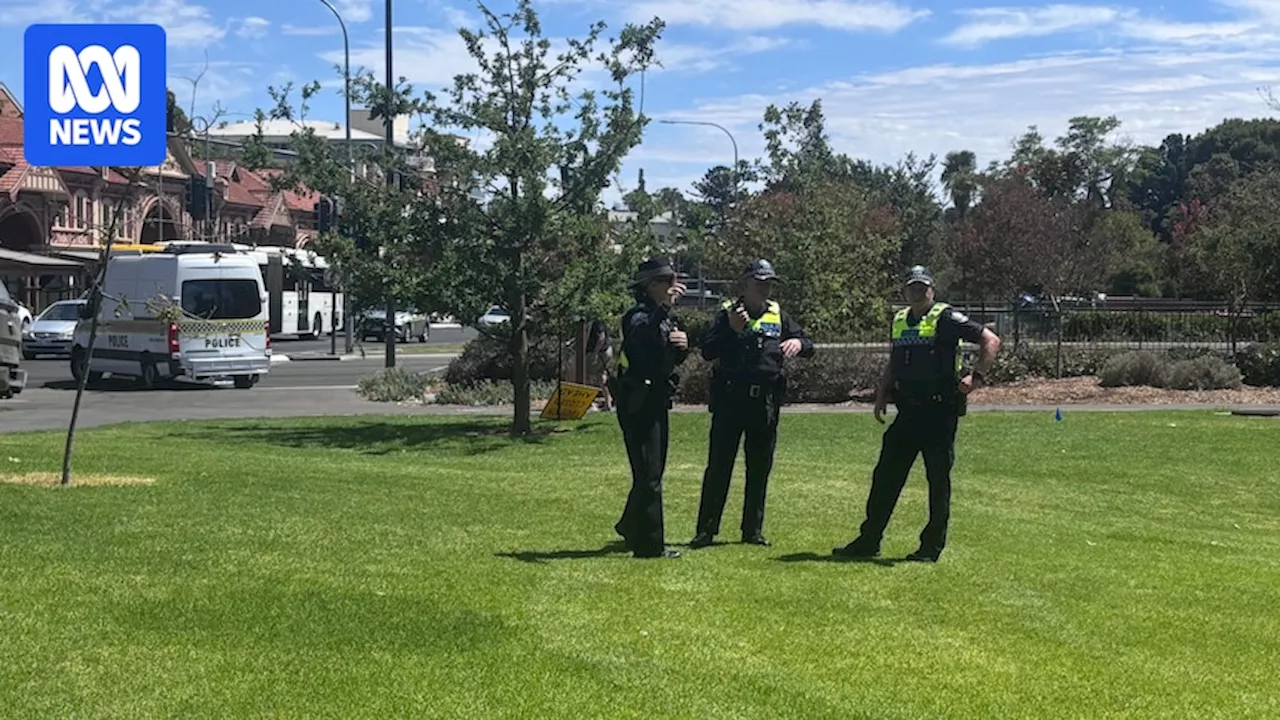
641 180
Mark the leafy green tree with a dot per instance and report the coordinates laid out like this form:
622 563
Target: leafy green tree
1233 250
536 242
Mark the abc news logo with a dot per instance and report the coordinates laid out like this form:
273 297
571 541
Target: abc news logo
69 90
95 95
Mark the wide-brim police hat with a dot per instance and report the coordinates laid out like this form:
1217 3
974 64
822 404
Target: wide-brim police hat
654 269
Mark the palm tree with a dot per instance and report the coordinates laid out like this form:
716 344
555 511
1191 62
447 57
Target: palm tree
960 178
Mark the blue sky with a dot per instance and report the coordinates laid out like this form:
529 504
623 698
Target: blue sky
918 75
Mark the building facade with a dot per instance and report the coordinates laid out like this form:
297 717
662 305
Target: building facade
54 222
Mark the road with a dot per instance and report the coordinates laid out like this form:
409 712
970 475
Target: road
440 335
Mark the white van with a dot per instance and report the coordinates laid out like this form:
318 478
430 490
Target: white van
196 311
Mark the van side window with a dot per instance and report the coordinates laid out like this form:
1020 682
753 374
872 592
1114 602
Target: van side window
221 299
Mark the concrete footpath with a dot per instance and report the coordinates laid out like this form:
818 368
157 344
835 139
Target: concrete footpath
45 409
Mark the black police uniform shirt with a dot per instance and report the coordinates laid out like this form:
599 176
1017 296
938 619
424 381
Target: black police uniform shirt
953 325
749 356
646 340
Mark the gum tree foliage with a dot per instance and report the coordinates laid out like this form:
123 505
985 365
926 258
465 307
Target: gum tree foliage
831 236
512 219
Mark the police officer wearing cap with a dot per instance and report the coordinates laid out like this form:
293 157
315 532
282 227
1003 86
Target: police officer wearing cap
748 341
643 388
924 380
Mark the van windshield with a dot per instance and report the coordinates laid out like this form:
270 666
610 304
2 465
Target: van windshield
221 299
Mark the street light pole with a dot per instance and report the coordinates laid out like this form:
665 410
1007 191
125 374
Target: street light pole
389 333
347 326
723 129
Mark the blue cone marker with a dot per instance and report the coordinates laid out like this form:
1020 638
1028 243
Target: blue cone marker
1058 415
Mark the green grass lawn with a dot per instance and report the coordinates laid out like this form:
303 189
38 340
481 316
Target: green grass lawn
1111 565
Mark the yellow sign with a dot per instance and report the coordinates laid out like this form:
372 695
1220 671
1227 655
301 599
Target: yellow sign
570 401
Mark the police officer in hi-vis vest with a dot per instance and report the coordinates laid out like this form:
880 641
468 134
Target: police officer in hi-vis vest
924 380
748 342
643 388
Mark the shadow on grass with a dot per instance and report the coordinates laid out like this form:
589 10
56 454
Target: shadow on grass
531 556
814 557
379 436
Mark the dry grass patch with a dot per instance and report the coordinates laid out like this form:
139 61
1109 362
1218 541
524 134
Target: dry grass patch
77 480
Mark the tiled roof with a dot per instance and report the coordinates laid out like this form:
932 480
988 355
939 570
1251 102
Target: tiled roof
11 177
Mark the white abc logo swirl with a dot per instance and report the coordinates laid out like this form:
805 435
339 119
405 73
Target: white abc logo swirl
69 86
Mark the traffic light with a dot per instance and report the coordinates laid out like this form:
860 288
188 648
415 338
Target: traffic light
326 210
197 198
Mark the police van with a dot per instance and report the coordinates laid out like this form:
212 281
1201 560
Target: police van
194 311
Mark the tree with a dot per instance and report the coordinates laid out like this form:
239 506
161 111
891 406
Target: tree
522 243
960 178
1232 248
108 232
378 244
176 120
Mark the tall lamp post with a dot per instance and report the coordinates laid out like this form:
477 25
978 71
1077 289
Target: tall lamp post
702 291
722 129
348 327
389 334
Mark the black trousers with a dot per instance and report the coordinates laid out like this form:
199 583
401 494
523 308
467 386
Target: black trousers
646 433
736 414
928 430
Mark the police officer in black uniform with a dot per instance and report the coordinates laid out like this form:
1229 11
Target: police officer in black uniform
924 382
643 388
749 340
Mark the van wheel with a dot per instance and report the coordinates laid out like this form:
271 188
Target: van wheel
79 363
244 382
147 374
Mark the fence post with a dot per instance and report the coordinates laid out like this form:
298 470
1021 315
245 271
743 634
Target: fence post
1059 334
580 372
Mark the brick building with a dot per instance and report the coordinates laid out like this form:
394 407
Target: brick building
53 221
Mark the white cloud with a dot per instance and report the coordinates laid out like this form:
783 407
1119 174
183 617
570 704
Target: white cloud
253 28
988 24
432 57
48 11
356 11
1256 24
939 108
852 15
184 24
310 31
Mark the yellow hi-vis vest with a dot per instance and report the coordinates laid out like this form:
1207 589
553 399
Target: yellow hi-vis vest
770 321
915 362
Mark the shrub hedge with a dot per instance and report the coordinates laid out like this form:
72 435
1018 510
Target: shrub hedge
482 373
1101 326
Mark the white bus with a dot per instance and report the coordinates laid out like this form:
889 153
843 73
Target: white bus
300 301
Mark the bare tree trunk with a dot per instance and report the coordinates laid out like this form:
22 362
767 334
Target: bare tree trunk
520 423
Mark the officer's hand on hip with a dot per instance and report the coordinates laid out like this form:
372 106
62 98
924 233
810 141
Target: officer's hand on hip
679 339
790 348
739 318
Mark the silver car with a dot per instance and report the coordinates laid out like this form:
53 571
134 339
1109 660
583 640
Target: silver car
53 331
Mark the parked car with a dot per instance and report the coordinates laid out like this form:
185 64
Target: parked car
409 324
12 377
24 314
53 331
494 316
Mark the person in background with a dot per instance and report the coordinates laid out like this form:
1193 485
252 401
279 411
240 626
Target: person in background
643 388
925 383
599 354
749 342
